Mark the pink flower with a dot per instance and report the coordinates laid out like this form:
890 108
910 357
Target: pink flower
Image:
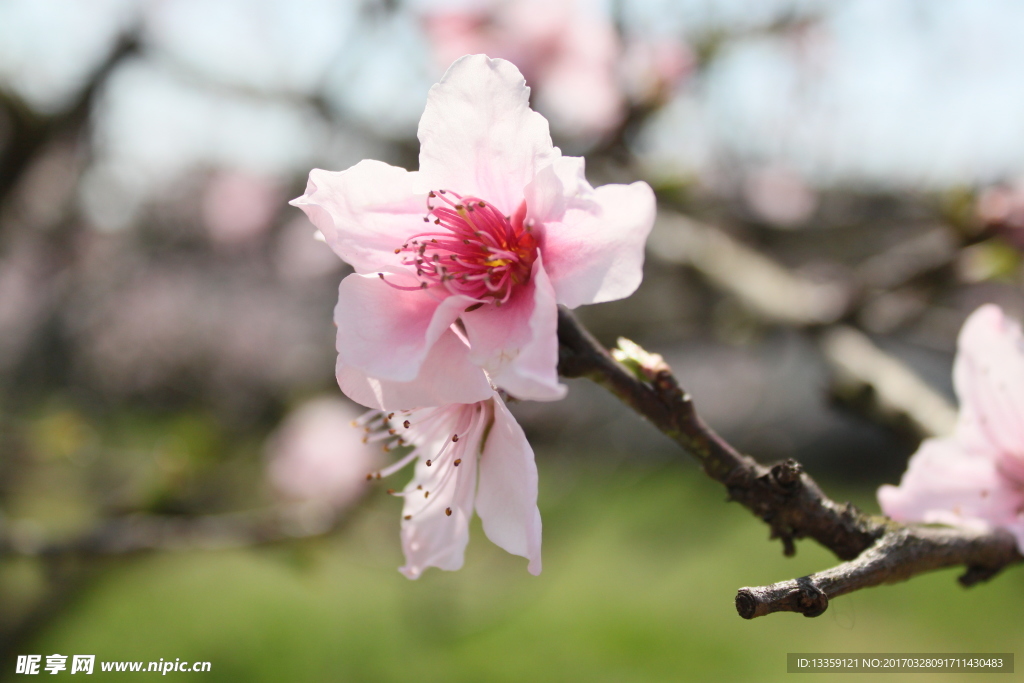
459 265
468 456
1001 208
975 477
316 455
567 49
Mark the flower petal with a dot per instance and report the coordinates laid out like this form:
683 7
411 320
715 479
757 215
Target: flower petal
595 251
558 187
947 485
507 490
446 376
517 343
431 537
387 332
365 212
478 135
989 378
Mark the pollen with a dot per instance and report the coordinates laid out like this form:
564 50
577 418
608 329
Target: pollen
475 250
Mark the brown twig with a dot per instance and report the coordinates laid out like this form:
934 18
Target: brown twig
878 550
903 552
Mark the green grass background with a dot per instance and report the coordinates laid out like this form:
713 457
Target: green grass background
641 564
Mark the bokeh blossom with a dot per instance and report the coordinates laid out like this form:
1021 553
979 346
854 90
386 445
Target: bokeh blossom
460 265
974 478
316 456
239 207
567 49
468 456
1001 208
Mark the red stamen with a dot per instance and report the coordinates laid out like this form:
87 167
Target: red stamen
477 251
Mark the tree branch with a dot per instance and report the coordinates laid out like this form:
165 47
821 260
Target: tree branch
31 131
878 550
900 554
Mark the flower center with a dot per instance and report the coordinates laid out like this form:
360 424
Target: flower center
474 249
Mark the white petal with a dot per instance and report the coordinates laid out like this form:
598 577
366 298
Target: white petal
507 490
365 212
558 187
478 135
432 538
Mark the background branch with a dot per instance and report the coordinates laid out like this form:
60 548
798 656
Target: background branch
145 532
895 393
31 132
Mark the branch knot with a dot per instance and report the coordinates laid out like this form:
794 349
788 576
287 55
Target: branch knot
786 475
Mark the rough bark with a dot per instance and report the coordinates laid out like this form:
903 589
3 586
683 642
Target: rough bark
877 550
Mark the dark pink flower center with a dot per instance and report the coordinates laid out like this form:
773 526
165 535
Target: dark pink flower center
473 248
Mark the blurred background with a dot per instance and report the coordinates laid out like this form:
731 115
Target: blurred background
840 184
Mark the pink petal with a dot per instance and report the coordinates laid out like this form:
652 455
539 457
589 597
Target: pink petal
517 343
946 484
989 378
365 212
478 135
432 538
386 332
507 490
594 250
446 376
